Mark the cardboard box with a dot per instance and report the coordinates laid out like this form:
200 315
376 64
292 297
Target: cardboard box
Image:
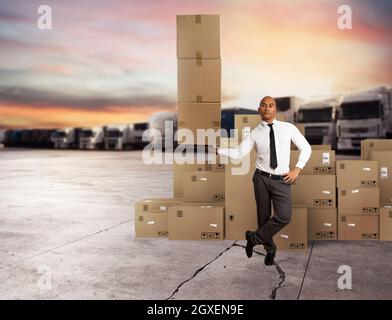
386 222
204 186
356 173
320 162
358 200
196 222
240 203
384 160
321 147
358 227
369 145
294 236
198 36
151 217
322 224
178 175
199 80
194 116
314 191
246 123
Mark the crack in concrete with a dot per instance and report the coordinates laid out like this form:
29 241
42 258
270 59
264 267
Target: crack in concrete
200 269
282 274
306 269
65 244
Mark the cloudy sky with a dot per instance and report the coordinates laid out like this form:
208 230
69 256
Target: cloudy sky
115 61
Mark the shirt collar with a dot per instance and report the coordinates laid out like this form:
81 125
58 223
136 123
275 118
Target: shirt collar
265 123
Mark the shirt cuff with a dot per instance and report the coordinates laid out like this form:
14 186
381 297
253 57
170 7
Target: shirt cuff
300 165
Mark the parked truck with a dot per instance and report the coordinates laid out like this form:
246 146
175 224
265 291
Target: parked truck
119 137
2 137
162 124
363 115
91 138
287 106
64 138
319 119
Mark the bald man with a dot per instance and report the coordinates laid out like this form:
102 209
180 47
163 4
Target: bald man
272 179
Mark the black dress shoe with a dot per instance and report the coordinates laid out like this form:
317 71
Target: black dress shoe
269 258
249 244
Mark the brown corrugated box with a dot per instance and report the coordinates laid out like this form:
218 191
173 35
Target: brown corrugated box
240 202
356 173
320 162
198 80
358 227
386 222
322 224
321 147
151 217
294 236
314 191
178 175
204 186
369 145
196 222
358 200
193 116
384 160
198 36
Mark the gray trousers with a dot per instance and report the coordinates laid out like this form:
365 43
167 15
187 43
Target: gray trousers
267 189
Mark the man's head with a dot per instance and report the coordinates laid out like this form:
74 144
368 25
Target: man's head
267 109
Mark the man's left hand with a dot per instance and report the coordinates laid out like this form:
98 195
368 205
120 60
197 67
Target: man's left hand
292 175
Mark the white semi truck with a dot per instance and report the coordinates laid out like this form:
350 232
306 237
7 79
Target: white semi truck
363 115
160 125
64 138
120 137
319 119
91 138
287 106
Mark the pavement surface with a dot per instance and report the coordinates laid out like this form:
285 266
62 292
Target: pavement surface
67 232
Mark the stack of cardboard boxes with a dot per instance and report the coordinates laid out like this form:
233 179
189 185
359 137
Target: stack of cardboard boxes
358 199
380 150
197 210
216 201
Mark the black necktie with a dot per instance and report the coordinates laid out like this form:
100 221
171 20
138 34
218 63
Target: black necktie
273 160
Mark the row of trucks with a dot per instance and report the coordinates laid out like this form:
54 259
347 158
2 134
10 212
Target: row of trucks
341 120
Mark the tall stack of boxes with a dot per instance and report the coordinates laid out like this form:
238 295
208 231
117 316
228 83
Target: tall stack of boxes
380 150
358 199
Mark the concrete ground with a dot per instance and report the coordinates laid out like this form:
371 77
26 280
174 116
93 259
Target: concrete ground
67 232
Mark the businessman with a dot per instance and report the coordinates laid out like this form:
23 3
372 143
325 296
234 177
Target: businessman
272 179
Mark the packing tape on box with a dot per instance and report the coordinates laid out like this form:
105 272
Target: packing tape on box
327 224
326 192
351 224
151 222
366 169
384 172
213 225
284 236
326 159
355 191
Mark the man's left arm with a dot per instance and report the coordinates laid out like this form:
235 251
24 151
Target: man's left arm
305 151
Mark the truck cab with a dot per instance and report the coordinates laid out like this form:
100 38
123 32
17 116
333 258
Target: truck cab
63 138
319 120
364 115
91 138
119 137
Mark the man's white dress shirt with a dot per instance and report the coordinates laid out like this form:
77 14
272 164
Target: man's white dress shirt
258 138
